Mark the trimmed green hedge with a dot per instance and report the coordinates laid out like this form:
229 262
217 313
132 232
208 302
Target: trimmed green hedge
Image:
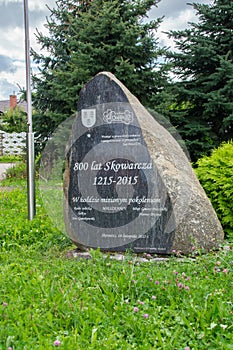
216 176
10 159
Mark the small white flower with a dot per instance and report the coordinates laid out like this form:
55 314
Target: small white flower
213 325
223 326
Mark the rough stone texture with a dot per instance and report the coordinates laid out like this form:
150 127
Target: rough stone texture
196 223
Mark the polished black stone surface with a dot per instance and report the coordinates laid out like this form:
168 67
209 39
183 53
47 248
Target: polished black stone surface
117 199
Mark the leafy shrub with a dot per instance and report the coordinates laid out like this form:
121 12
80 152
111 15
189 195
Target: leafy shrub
18 171
216 176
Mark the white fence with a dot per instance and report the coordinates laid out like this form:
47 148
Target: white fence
12 143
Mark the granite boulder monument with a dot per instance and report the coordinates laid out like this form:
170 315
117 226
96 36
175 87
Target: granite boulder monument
128 184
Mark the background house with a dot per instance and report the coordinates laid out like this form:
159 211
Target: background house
5 105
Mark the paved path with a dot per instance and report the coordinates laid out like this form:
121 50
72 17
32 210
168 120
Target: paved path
3 168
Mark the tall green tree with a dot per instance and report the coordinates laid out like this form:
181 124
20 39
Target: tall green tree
86 37
203 96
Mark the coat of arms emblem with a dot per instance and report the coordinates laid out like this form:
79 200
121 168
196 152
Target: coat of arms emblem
88 117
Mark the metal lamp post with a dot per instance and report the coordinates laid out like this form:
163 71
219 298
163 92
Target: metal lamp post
30 134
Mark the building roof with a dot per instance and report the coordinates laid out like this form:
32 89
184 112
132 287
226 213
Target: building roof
5 105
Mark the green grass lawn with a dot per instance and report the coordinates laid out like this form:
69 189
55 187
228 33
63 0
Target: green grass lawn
48 300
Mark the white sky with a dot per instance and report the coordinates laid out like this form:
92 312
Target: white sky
12 41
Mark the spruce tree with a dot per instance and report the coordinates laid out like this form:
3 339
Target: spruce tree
203 96
86 37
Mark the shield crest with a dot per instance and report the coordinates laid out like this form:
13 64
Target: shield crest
88 117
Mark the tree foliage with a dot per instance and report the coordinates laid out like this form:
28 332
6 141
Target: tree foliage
14 120
202 108
86 37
